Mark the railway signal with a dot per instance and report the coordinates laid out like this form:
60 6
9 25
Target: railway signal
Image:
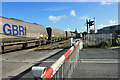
90 23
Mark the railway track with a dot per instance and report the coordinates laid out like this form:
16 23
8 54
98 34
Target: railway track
18 61
60 44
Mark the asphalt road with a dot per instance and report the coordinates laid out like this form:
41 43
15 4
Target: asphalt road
93 63
46 63
17 62
97 64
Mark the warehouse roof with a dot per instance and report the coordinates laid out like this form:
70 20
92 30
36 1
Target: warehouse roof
109 26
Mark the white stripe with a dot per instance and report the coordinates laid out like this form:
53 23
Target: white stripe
72 48
99 60
113 51
48 61
58 63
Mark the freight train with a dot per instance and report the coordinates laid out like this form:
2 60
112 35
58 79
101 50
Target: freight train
18 30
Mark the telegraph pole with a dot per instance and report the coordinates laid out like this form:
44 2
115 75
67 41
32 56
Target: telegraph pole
87 25
94 24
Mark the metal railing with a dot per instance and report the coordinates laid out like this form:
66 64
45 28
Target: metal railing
97 38
63 67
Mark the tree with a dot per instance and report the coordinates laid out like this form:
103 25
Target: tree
92 31
75 31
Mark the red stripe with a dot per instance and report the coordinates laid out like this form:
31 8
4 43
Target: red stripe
48 73
75 46
43 71
79 41
67 54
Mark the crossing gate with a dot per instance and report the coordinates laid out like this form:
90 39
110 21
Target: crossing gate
63 67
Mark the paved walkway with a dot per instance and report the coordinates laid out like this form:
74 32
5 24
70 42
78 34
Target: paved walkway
17 62
46 63
97 63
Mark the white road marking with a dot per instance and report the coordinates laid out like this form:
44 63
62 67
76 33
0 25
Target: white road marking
113 51
49 61
99 60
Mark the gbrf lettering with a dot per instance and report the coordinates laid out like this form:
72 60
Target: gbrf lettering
14 30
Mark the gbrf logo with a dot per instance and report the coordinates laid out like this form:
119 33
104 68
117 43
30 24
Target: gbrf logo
14 29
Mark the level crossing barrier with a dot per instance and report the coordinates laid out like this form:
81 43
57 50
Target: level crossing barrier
63 67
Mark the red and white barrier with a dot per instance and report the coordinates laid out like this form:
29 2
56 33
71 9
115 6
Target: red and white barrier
41 72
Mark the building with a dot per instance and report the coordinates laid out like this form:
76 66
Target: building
114 29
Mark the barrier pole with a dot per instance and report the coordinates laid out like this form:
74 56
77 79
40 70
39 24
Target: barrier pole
46 74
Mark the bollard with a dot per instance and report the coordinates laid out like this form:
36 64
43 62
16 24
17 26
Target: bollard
70 41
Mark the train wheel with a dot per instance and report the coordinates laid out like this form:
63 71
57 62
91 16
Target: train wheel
44 42
24 45
39 43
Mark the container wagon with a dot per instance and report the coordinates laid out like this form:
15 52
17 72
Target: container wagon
55 34
16 30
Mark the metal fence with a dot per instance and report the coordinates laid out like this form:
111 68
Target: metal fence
63 67
97 38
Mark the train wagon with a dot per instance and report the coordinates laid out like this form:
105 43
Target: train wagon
73 35
14 29
55 34
70 35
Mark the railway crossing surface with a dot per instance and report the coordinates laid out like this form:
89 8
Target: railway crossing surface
98 64
92 64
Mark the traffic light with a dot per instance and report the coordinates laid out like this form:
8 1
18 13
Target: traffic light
91 23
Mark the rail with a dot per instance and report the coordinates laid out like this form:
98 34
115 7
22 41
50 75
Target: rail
63 67
22 40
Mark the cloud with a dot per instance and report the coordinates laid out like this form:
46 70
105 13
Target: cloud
55 19
72 13
105 3
68 29
83 17
100 26
112 22
82 27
